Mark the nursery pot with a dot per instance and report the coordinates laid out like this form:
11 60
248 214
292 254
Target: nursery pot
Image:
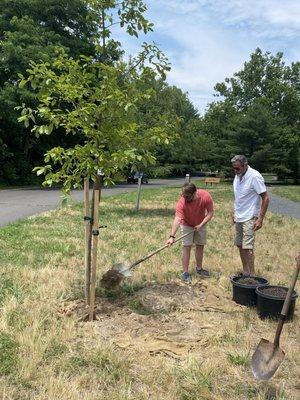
269 305
244 293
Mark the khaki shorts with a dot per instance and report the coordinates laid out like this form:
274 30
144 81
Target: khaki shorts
244 234
197 237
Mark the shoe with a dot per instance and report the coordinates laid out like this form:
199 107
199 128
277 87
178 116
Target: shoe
203 272
186 277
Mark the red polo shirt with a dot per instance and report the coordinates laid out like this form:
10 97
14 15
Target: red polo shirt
192 213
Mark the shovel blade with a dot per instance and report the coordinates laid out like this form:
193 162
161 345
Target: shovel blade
266 360
123 269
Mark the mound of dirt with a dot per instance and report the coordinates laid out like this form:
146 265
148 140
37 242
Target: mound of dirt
170 297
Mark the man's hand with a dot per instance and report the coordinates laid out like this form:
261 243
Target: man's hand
257 224
170 241
198 227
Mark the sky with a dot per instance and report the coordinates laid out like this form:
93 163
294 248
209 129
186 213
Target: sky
209 40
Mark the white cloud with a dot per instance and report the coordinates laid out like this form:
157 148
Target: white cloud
208 40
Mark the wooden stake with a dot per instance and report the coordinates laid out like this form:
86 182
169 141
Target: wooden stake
95 233
88 234
137 205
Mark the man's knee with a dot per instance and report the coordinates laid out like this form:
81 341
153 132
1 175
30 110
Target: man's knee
187 248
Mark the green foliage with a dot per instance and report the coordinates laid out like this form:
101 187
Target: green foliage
190 149
139 308
55 349
194 382
239 359
99 103
9 354
31 30
9 288
259 115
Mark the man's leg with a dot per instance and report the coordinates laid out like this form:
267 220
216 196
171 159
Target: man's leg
199 255
250 261
248 245
186 252
244 254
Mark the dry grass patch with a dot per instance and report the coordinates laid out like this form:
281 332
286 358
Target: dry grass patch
154 337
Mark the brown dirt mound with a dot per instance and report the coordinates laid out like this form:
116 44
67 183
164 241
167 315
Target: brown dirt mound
173 327
111 279
169 297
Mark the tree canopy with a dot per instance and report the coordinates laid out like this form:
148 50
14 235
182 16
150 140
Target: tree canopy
259 115
256 111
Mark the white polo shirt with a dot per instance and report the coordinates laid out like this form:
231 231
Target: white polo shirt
247 200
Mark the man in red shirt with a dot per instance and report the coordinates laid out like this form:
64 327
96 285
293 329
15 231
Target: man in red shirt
193 211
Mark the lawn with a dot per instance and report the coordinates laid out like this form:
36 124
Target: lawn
154 338
291 192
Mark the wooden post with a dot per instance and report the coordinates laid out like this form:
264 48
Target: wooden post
137 206
88 233
95 233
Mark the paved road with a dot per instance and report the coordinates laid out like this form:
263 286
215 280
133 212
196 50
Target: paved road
280 205
21 203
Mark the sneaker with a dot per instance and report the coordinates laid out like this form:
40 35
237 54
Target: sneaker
186 277
203 272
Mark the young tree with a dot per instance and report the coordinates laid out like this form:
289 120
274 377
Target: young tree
98 100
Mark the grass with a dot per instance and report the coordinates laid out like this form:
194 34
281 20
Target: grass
154 337
291 192
239 359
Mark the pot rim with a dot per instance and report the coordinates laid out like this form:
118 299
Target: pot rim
243 285
270 296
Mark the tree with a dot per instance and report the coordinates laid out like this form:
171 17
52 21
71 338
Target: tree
31 30
259 114
99 101
189 149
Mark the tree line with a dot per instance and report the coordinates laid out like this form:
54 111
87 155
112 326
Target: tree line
256 112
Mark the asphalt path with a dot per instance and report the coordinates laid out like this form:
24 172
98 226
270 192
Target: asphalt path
20 203
280 205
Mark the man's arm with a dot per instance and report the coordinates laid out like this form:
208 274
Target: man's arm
175 226
207 218
264 206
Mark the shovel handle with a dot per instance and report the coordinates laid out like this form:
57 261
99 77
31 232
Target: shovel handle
288 297
157 251
286 304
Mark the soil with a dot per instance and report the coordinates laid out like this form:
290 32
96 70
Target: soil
248 281
111 279
275 291
175 323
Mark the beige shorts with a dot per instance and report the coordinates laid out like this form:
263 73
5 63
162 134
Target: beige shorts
244 234
197 237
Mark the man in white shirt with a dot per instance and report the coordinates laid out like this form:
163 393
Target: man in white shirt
251 202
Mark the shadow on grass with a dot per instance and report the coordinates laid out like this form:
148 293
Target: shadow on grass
142 213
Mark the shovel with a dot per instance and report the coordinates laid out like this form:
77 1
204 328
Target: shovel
120 271
268 356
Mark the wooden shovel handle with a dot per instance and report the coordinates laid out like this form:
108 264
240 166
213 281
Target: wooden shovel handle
288 297
286 305
157 251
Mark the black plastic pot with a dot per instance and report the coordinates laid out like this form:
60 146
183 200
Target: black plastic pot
270 306
245 294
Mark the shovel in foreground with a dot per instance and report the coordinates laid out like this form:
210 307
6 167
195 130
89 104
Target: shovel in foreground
118 272
268 356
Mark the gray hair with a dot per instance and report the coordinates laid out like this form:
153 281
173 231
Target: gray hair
241 158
